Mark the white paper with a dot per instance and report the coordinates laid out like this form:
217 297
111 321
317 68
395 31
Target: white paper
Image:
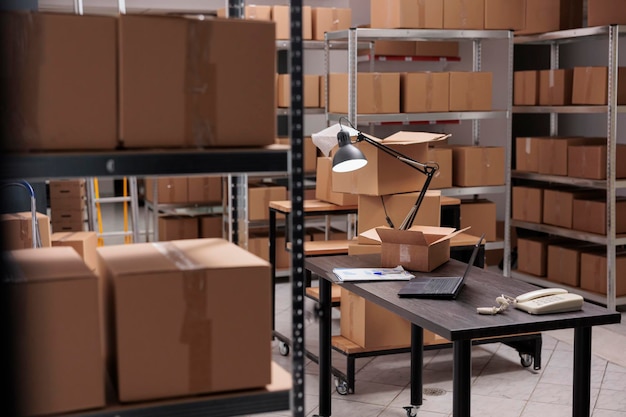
326 139
372 274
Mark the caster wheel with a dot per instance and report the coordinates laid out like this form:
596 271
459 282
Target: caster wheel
526 359
410 411
342 387
283 348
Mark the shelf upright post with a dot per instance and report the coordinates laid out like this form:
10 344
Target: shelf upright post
296 187
352 75
554 64
507 167
476 67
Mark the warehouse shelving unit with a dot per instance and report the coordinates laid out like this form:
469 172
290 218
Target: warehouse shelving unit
612 35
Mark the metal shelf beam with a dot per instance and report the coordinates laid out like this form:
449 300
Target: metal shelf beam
560 179
366 34
569 233
423 117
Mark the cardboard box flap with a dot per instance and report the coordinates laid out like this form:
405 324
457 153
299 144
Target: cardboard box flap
451 235
50 263
407 138
416 235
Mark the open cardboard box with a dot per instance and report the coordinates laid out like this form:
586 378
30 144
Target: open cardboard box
420 248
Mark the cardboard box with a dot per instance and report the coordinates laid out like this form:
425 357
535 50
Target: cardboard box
589 161
590 215
377 92
420 248
480 216
408 14
423 92
551 15
177 227
384 174
66 189
443 157
470 91
532 255
252 12
211 226
525 88
416 48
590 85
505 14
555 87
477 165
558 204
83 242
527 204
527 154
17 230
192 315
605 12
166 190
564 262
52 86
59 360
373 210
325 179
330 19
281 15
553 153
68 204
197 93
464 14
311 91
259 197
363 249
593 272
258 244
204 189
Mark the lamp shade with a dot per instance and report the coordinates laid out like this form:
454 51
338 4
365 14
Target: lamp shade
348 157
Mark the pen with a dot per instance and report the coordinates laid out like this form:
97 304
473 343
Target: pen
385 272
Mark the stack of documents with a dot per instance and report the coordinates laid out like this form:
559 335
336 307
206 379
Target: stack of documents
372 274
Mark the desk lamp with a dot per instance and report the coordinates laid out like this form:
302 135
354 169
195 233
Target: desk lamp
349 158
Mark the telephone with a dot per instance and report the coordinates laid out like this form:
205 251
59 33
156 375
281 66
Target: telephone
544 301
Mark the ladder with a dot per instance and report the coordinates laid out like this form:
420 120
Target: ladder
129 198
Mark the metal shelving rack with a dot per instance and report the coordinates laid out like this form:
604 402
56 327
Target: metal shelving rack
612 35
356 38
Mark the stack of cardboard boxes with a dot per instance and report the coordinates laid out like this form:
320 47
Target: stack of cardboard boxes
68 205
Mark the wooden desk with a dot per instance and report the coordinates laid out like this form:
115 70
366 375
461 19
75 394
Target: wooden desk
457 321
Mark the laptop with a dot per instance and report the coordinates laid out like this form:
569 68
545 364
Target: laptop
439 287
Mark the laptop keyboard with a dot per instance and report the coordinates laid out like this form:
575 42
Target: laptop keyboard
441 286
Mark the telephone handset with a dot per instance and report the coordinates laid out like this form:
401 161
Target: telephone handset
544 301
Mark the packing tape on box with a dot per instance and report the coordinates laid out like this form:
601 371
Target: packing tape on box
200 76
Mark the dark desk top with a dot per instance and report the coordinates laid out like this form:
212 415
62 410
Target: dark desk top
458 319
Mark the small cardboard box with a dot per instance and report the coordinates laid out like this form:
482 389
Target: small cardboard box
593 272
564 262
558 204
324 183
83 242
605 12
166 190
17 230
480 216
532 255
526 88
505 14
311 90
177 227
181 313
550 15
589 161
555 87
67 189
590 215
436 48
590 85
470 91
211 226
477 165
443 176
377 92
330 19
406 14
464 14
527 154
204 189
259 197
527 204
553 153
281 15
423 92
59 359
420 248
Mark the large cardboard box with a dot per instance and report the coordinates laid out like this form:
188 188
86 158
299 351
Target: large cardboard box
166 190
526 88
330 19
464 14
408 14
480 216
83 242
178 227
553 153
527 154
17 230
470 91
477 165
532 255
558 204
605 12
259 197
443 157
420 248
325 179
59 359
423 92
52 86
204 189
589 161
590 215
555 87
182 86
593 272
564 262
590 85
311 90
527 204
281 15
183 326
505 14
211 226
377 92
550 15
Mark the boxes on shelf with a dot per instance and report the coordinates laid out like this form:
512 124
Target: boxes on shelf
550 15
311 90
177 227
505 14
281 15
204 189
17 230
605 12
443 157
532 255
553 153
593 272
464 14
211 226
558 204
564 261
589 161
402 14
555 87
377 92
424 92
330 19
251 11
590 85
527 203
53 84
84 243
259 197
166 190
326 179
182 342
477 165
526 88
590 215
68 204
470 91
59 361
480 216
198 93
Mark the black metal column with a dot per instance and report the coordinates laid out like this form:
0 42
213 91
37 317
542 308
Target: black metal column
582 372
462 377
325 364
417 364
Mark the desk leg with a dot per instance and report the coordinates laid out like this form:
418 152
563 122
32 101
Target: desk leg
582 371
417 364
325 363
462 378
272 248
